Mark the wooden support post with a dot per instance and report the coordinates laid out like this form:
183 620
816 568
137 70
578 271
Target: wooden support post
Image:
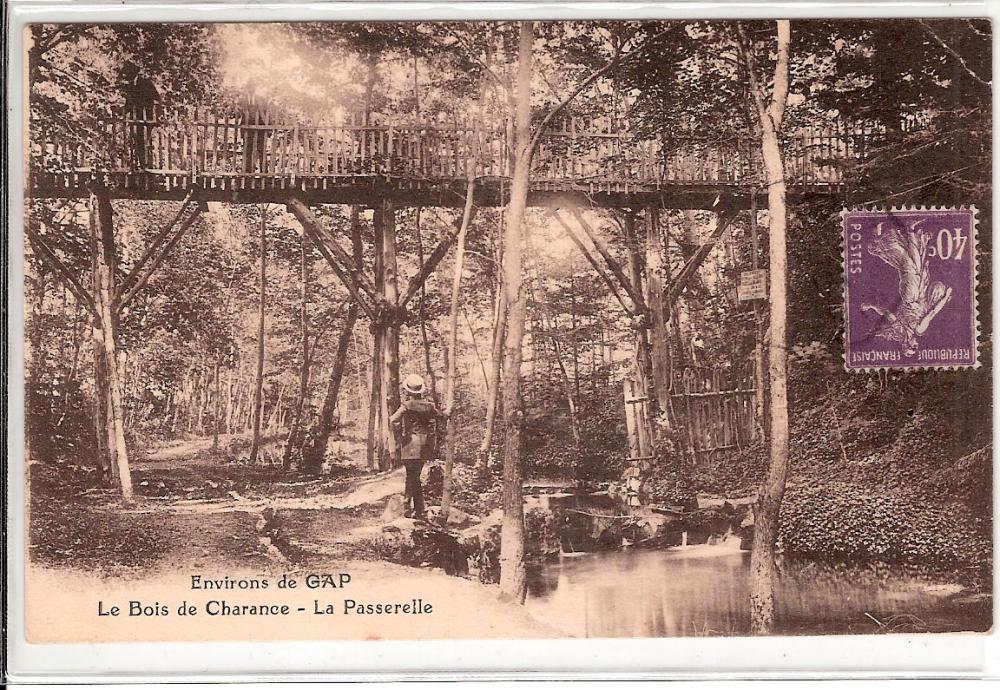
103 260
631 428
643 360
154 246
390 349
655 272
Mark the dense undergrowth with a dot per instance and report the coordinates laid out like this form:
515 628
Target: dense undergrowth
893 468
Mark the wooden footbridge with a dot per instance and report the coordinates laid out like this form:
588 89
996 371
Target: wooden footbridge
355 159
198 155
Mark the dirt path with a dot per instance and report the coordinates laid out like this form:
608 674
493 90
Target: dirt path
237 538
369 490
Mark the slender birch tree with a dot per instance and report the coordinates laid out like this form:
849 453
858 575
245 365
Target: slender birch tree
513 586
770 112
258 400
452 379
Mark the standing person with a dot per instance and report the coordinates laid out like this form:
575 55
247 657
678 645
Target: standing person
253 114
141 98
418 419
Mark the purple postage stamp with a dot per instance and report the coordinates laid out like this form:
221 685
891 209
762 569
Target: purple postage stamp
910 289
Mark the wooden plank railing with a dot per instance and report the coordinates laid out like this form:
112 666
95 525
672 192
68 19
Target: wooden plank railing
200 141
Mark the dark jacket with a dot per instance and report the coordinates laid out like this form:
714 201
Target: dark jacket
418 418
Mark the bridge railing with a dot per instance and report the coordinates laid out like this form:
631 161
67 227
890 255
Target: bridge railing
206 142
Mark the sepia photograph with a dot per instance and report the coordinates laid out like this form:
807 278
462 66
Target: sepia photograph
424 330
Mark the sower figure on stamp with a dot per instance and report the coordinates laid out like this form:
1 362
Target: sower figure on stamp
141 98
418 419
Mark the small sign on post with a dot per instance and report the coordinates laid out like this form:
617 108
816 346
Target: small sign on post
753 285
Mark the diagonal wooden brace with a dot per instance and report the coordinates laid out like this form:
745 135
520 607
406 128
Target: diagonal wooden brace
49 257
678 283
440 251
343 266
154 246
634 291
591 260
308 219
188 215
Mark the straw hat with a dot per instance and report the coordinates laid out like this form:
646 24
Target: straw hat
414 384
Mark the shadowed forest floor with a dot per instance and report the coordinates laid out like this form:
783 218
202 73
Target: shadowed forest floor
196 512
194 515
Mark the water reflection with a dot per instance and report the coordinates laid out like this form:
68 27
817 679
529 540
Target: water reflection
704 590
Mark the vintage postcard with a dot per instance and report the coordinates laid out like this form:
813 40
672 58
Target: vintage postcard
507 329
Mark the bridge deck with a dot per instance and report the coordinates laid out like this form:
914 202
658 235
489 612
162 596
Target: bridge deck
233 158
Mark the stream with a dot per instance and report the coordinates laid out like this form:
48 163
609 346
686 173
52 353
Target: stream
704 590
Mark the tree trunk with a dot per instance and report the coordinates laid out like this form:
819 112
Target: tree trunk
103 261
493 386
313 454
274 419
79 329
767 508
386 217
35 360
295 428
449 402
203 400
512 575
575 350
475 347
375 401
758 320
359 377
550 324
229 400
217 414
258 400
421 312
376 439
106 460
564 380
190 387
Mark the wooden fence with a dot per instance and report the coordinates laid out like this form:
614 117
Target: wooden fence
640 445
191 142
716 407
